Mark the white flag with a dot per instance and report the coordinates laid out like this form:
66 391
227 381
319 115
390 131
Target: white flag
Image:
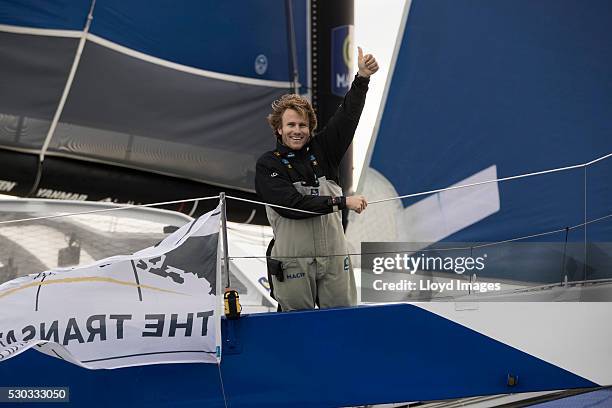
159 305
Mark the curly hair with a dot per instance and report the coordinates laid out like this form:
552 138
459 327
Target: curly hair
298 104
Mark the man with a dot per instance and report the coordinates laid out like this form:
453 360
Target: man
309 257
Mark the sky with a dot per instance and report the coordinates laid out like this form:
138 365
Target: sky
376 26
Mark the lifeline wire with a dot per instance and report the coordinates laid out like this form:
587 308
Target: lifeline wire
585 218
583 165
519 176
154 205
537 173
274 205
222 386
316 213
75 64
438 249
107 209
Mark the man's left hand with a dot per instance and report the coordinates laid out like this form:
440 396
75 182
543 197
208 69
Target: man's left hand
366 63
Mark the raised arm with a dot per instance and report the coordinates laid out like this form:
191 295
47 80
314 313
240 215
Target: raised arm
337 136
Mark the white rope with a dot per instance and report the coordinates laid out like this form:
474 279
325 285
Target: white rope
107 210
222 386
541 234
68 86
437 249
537 173
553 285
274 205
585 221
592 221
599 159
151 205
584 165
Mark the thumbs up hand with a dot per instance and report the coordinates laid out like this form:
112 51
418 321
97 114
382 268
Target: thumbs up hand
366 64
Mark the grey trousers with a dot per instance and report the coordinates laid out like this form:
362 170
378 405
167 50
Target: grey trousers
330 281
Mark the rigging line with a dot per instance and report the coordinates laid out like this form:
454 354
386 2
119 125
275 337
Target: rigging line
436 249
222 386
249 234
519 176
563 275
226 267
273 205
585 223
46 217
251 216
598 159
193 209
471 247
293 48
591 221
36 179
68 86
553 285
541 234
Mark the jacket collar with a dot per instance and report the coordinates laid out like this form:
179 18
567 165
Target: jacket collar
284 150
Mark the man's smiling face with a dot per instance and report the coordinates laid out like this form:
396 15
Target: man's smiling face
295 132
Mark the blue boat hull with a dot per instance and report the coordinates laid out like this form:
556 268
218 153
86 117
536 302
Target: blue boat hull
338 357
